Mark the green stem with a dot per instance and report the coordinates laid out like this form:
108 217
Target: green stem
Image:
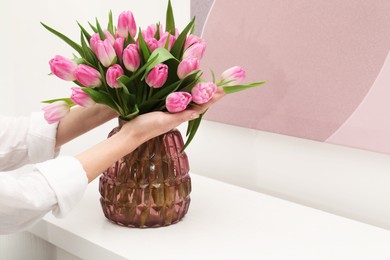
119 99
150 93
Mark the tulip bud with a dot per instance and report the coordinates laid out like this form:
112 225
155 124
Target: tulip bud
191 39
126 25
177 101
118 47
113 73
81 98
203 92
93 41
164 38
96 37
196 50
55 111
63 68
233 76
157 76
105 52
131 57
150 32
109 37
186 66
88 76
152 44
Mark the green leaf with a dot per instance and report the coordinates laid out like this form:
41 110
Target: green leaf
190 81
178 46
193 27
166 46
86 34
150 105
124 87
71 43
101 98
129 85
143 47
89 56
126 100
212 75
134 113
165 91
237 88
67 100
162 55
125 79
193 130
128 40
157 34
78 83
100 30
170 20
110 26
94 29
189 127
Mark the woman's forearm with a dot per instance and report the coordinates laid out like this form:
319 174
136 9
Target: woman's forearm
99 157
80 120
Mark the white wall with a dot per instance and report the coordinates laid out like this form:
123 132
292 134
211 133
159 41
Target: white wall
349 182
26 47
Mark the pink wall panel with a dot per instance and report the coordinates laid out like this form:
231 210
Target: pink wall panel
320 58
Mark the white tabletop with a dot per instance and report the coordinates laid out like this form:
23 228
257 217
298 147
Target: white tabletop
223 222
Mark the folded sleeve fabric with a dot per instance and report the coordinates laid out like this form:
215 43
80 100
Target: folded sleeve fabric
26 140
55 185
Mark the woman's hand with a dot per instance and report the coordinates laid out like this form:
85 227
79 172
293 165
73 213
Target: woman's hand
152 124
132 134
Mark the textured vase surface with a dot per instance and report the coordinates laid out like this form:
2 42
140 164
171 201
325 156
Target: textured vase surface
149 187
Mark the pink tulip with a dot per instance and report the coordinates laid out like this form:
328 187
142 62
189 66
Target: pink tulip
203 92
233 76
150 32
56 111
105 52
191 39
113 73
131 57
96 37
157 76
177 101
126 25
63 68
152 44
164 38
196 50
88 76
93 41
81 98
186 66
109 37
118 47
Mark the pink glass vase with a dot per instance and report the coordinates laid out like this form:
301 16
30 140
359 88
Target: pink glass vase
149 187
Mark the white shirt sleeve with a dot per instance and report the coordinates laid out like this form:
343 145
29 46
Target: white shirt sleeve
55 185
26 140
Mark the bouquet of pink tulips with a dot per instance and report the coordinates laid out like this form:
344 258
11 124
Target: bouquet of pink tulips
138 71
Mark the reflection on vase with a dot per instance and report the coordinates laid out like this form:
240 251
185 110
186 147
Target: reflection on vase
149 187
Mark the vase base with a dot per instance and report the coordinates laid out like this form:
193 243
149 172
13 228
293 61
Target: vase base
147 217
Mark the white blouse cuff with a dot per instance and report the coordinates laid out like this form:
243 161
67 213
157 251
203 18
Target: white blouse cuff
41 139
68 180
